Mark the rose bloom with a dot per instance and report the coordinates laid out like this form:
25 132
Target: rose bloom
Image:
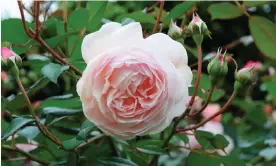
131 85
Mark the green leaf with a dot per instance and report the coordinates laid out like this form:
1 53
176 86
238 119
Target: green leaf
224 11
264 34
60 111
30 132
18 100
62 103
138 16
183 137
180 9
204 138
116 161
86 128
12 31
96 13
268 153
201 159
36 62
15 125
54 41
151 149
217 94
231 161
142 143
220 142
79 18
71 144
253 3
53 71
150 146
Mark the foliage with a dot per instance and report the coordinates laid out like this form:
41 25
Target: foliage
51 86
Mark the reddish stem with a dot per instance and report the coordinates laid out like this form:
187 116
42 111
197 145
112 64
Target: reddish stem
158 16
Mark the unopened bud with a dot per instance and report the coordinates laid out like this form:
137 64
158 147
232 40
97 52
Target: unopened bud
244 78
9 58
217 68
198 29
175 31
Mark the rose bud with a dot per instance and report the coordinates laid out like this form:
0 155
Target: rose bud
131 85
258 66
175 31
198 29
217 68
244 78
9 58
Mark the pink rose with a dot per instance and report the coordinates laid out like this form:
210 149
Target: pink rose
131 85
210 110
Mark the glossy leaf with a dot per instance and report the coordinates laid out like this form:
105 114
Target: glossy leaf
264 34
56 111
52 71
224 11
180 9
217 94
86 127
201 159
12 31
54 41
96 13
204 138
71 144
74 19
15 125
220 142
253 3
116 161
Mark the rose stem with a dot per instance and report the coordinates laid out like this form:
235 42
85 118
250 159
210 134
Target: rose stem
40 126
28 155
205 104
227 104
158 16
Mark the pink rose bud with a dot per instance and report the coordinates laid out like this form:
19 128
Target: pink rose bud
175 31
9 58
197 26
257 66
36 103
131 85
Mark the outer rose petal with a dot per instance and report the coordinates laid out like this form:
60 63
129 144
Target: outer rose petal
166 47
169 48
111 35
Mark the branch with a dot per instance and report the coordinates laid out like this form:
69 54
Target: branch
158 16
205 104
42 128
89 141
28 155
41 41
37 23
228 103
29 33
